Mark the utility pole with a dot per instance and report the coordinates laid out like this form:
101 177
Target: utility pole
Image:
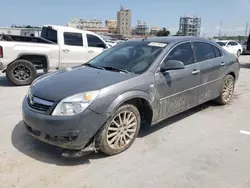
246 32
220 30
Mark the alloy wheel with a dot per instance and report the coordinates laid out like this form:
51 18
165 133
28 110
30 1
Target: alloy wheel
122 130
228 89
21 73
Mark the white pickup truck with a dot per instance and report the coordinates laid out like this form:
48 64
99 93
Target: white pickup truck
58 47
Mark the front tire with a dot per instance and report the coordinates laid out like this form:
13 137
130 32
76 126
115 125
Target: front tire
227 90
21 72
120 131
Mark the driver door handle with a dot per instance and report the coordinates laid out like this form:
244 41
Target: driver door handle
65 50
195 71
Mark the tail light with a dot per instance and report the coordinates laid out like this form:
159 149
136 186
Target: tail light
1 51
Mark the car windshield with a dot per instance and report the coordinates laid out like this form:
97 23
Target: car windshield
221 43
134 57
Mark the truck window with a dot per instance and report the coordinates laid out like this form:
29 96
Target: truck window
49 34
94 41
73 39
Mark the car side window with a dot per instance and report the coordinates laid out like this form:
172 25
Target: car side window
94 41
217 52
232 43
73 39
203 51
183 53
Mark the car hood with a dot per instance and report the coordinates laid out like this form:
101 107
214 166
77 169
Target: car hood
58 85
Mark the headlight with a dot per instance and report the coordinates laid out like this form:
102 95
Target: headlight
75 104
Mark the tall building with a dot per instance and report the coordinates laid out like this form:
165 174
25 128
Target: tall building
111 25
189 26
90 25
124 21
141 28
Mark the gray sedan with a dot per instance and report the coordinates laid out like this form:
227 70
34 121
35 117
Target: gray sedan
102 104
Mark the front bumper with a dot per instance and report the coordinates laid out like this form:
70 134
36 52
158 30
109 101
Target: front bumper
70 132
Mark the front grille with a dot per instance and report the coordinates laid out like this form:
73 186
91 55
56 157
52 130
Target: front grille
39 104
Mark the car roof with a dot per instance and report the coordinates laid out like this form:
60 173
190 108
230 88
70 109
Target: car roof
226 41
69 29
173 39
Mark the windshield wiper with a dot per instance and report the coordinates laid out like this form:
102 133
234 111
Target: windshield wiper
94 66
116 69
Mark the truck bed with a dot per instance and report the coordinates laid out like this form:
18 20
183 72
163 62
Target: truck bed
17 38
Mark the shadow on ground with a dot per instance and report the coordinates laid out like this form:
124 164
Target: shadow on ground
46 153
43 152
5 83
245 65
145 131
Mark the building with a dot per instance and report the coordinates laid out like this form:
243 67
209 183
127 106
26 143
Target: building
141 28
111 25
33 32
89 25
154 30
124 21
189 26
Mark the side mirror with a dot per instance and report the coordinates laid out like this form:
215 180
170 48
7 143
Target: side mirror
172 65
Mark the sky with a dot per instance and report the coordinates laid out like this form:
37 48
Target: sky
233 14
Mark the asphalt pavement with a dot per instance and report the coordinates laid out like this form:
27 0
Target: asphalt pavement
205 147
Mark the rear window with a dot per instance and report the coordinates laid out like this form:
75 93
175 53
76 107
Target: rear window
49 34
221 43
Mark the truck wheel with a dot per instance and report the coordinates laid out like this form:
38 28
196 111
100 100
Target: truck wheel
21 72
227 90
120 131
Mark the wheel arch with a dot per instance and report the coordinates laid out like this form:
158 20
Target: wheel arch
139 99
29 56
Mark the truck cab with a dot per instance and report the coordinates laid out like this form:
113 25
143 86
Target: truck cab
75 46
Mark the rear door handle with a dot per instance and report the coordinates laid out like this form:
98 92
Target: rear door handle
66 50
195 72
222 64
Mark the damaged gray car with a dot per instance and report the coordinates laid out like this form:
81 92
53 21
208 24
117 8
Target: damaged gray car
101 105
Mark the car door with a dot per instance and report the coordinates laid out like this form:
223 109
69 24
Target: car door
231 47
95 46
72 52
178 89
211 63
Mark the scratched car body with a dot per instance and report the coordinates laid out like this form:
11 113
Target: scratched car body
102 104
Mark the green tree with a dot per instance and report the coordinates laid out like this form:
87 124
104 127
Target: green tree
163 32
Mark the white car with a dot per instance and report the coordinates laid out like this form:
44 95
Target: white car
231 46
58 47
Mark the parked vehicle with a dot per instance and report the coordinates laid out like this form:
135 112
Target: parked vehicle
58 47
102 105
231 46
246 46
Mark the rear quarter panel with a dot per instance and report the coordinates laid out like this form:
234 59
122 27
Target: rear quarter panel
13 50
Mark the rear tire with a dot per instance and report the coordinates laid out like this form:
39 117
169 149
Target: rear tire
120 131
238 53
21 72
227 90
